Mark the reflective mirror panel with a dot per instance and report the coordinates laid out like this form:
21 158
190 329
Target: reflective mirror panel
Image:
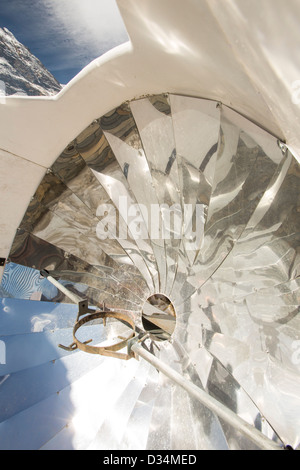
185 215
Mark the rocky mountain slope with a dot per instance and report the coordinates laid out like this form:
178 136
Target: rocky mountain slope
21 72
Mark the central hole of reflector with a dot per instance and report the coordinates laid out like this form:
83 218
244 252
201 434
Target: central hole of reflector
158 317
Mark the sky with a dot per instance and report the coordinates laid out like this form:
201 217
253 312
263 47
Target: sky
66 35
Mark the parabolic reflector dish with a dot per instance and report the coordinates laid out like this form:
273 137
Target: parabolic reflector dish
183 215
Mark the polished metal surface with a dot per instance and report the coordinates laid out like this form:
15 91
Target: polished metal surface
209 402
108 222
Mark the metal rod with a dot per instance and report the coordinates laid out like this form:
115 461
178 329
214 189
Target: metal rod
60 287
211 403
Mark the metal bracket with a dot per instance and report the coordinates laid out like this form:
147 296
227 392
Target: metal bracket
135 340
112 350
139 340
72 346
282 146
83 310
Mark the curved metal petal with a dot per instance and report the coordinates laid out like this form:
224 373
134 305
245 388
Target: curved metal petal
168 195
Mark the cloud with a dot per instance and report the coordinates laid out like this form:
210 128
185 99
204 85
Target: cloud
92 22
65 34
86 28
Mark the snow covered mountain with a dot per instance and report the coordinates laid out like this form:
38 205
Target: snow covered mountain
21 72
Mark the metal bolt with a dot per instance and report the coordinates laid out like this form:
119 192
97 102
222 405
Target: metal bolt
282 147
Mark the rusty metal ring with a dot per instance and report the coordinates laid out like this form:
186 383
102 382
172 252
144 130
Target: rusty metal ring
110 351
